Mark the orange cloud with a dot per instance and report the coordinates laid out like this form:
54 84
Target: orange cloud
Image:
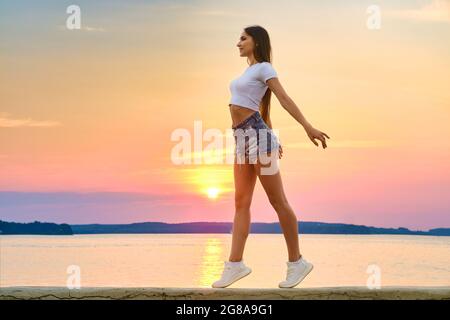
6 122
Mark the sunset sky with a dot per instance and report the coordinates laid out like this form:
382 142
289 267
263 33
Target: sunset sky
86 116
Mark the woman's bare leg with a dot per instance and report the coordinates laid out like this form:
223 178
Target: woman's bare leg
273 187
244 182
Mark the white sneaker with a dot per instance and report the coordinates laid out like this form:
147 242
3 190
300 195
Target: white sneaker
296 272
231 273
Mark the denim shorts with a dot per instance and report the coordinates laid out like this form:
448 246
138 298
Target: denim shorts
253 138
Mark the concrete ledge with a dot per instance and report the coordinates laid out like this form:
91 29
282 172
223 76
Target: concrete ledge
110 293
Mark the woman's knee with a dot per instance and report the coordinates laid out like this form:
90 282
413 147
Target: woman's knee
242 203
279 204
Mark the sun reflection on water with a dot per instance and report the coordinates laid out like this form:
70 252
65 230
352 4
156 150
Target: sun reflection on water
211 262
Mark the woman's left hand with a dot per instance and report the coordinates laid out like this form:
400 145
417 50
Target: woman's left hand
313 133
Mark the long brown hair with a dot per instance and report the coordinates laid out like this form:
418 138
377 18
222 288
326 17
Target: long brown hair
263 53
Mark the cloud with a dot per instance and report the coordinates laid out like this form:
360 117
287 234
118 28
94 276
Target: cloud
7 122
92 207
341 144
18 198
83 28
93 29
436 11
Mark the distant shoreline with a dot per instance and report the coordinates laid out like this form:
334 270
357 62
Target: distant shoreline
306 227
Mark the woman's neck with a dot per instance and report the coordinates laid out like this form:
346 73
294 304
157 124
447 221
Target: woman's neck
252 61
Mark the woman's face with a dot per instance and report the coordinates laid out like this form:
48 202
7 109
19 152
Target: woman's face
245 45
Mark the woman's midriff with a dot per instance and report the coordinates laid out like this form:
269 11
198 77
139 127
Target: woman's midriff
239 114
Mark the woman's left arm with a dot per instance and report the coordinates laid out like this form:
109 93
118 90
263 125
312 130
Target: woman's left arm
289 105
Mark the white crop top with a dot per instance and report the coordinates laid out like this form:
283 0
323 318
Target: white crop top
249 89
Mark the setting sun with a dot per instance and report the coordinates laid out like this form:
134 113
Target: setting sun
211 181
213 192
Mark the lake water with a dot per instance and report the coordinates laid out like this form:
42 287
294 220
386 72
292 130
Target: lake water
196 260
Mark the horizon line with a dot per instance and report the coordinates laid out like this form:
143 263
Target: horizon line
230 222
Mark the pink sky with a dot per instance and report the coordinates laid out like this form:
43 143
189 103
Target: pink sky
86 116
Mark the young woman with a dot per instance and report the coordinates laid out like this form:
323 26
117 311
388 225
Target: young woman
249 108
